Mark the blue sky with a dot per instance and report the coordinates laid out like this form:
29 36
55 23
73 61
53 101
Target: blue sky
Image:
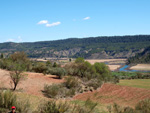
40 20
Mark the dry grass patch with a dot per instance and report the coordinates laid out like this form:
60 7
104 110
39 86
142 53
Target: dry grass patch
139 83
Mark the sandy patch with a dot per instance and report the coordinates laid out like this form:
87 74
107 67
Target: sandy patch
114 67
92 61
141 67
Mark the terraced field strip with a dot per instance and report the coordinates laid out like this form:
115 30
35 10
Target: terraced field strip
111 93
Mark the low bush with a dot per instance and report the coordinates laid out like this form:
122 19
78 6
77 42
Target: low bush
66 89
94 83
54 107
9 99
71 82
40 67
65 107
51 91
141 107
58 71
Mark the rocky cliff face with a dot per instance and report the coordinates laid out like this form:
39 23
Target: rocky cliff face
113 54
98 55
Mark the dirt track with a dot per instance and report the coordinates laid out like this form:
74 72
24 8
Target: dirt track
33 84
110 93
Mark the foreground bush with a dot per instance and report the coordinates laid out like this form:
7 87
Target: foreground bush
141 107
67 89
65 107
51 91
8 99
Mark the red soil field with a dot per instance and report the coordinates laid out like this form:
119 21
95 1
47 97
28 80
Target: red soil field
110 93
33 84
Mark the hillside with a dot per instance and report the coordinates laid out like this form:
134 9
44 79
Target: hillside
92 47
143 57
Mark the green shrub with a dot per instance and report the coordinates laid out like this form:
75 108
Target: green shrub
9 99
60 72
70 92
54 107
95 83
65 107
143 106
51 91
40 68
71 82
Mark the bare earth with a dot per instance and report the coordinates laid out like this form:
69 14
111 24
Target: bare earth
141 67
33 84
110 93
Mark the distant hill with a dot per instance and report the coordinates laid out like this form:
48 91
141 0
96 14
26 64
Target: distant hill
143 57
92 47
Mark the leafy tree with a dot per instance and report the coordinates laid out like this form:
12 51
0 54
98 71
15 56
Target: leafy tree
103 71
17 66
16 73
79 60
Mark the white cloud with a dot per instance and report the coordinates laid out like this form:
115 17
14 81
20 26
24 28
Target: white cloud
43 22
86 18
53 24
10 40
19 39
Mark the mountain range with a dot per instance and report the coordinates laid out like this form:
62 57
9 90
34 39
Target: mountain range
101 47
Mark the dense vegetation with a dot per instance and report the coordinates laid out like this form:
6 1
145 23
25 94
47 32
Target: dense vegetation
82 77
143 57
85 46
131 75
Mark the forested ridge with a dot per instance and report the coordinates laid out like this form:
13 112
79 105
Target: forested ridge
75 47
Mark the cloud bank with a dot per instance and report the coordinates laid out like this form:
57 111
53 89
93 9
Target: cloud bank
47 24
53 24
43 22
